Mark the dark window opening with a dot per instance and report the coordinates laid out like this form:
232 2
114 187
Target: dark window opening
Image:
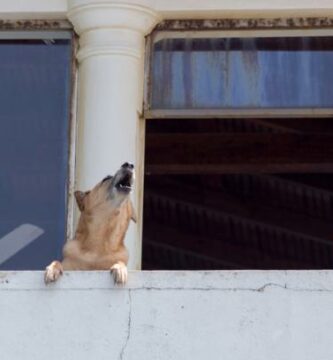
238 194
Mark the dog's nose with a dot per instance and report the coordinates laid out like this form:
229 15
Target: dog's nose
127 165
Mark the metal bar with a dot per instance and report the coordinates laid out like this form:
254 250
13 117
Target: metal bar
250 33
35 35
235 113
73 124
147 74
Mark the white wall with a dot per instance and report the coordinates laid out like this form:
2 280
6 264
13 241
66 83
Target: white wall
252 315
57 9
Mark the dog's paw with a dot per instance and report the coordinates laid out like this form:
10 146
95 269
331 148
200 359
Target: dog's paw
119 273
53 272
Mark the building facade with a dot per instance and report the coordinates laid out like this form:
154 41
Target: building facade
100 68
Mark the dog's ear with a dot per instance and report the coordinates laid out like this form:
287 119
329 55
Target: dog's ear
133 213
79 196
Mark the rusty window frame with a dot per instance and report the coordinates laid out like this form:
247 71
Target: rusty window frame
278 27
57 29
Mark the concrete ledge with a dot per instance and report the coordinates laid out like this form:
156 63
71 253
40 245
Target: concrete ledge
248 280
229 315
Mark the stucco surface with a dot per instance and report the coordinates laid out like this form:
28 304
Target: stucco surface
168 315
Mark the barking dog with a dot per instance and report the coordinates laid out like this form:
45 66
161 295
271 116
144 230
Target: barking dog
106 211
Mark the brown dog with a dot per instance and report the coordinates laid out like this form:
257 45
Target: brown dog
106 211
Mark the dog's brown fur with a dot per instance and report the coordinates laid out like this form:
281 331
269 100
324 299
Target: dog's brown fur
106 211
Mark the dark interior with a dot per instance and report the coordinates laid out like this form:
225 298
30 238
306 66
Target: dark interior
238 194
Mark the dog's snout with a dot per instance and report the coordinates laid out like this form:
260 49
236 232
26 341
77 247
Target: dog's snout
127 165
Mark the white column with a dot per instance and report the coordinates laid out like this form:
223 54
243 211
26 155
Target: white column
110 92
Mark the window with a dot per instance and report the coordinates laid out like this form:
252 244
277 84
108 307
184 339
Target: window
35 74
236 74
239 154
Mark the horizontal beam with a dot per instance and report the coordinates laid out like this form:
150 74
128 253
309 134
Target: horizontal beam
197 9
89 281
238 153
175 9
33 9
220 169
234 113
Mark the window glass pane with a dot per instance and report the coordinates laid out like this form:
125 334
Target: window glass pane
34 145
242 73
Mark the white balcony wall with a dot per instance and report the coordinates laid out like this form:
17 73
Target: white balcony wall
252 315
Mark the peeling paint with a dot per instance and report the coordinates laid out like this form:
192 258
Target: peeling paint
246 24
35 25
234 24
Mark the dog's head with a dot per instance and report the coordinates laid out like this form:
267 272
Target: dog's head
109 194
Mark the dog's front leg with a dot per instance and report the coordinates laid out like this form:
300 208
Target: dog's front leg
119 272
53 272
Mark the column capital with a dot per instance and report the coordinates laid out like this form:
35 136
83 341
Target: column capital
111 27
136 15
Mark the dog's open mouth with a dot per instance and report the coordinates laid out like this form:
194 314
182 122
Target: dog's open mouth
125 182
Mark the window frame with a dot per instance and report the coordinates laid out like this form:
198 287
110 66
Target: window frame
227 28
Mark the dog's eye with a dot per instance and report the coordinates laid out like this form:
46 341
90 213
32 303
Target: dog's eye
107 178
